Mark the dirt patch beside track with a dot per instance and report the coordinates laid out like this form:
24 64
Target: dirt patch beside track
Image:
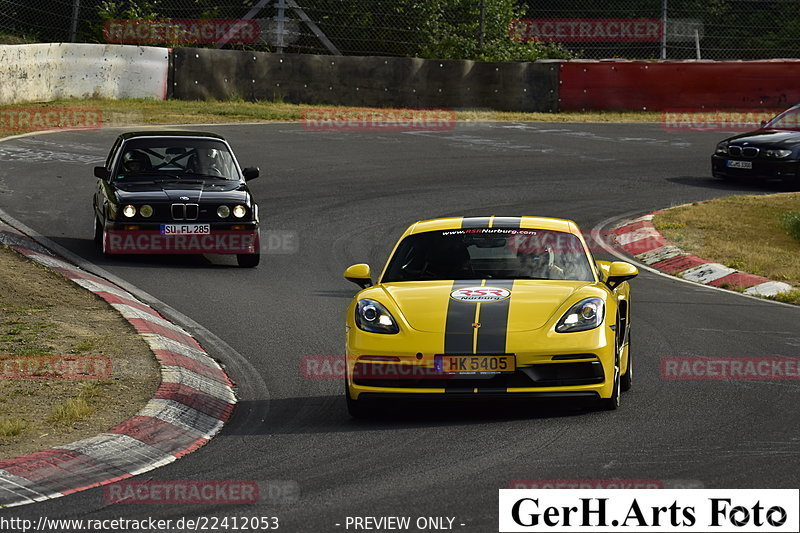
70 366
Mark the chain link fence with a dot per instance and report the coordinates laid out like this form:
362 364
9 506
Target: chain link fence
447 29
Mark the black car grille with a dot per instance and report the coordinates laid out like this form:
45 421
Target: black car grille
540 375
185 211
743 151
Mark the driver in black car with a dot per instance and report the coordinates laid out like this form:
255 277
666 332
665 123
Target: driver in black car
206 161
135 161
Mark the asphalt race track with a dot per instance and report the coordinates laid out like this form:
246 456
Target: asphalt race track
348 196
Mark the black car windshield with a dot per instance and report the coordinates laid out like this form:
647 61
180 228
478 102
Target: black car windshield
485 253
788 120
175 158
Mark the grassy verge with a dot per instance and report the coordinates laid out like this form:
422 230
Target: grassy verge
748 233
151 112
42 314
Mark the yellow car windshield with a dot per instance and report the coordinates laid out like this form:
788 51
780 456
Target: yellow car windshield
489 253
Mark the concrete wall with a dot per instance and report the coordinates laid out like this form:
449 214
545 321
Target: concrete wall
364 81
43 72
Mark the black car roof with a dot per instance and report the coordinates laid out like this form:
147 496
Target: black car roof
169 133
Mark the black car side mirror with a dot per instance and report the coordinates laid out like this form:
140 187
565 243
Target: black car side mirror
250 173
763 123
101 172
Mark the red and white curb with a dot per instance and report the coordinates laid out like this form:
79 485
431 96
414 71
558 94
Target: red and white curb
191 405
639 238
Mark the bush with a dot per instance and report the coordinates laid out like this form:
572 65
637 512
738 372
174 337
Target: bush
791 221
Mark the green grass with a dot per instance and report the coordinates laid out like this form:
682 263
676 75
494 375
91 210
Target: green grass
79 407
26 338
792 297
11 427
71 411
791 221
132 112
85 345
747 233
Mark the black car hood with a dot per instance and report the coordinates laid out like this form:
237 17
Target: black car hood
776 138
182 191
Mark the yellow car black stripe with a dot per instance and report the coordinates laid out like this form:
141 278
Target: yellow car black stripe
458 330
494 321
460 334
475 222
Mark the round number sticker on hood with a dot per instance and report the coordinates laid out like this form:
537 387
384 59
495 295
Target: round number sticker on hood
480 294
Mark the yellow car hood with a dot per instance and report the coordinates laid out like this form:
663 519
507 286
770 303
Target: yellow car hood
531 303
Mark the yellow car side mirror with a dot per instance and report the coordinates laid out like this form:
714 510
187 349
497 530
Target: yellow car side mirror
359 274
619 272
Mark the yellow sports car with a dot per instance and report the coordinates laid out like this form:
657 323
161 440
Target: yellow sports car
485 307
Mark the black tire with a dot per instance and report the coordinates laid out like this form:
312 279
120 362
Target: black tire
248 260
626 381
98 232
612 403
356 408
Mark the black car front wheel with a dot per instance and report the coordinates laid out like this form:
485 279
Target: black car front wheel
248 260
98 231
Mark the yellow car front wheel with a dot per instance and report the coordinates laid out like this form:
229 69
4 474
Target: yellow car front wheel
627 377
357 408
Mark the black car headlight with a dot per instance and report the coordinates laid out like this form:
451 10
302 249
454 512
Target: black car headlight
777 154
722 148
584 315
129 211
374 317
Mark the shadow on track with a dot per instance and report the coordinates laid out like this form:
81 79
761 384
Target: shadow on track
87 249
327 414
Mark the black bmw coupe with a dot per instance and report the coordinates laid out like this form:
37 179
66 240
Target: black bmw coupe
175 192
770 153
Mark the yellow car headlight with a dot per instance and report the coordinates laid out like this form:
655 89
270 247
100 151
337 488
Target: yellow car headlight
584 315
374 317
